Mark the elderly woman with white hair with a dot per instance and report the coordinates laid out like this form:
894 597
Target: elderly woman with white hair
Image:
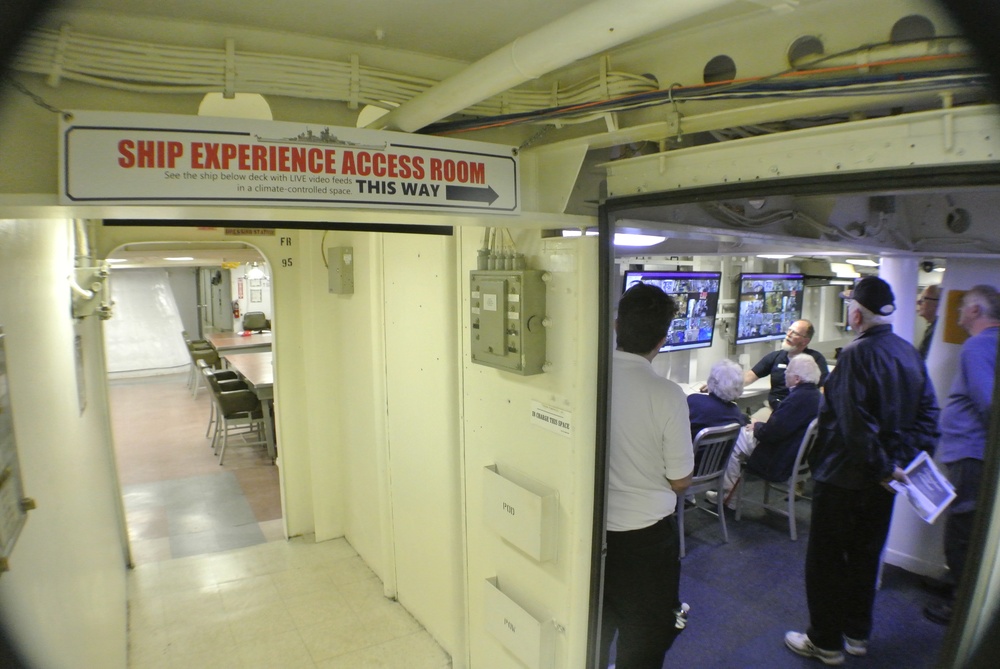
718 407
769 450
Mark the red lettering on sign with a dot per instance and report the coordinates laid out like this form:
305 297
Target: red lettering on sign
127 158
460 171
149 153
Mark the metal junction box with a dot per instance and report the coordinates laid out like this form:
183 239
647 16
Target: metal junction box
507 310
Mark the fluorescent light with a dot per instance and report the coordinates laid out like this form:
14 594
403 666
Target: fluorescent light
774 256
181 258
630 239
863 262
844 270
114 260
621 238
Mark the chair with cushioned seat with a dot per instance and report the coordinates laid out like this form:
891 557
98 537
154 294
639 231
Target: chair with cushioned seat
256 320
211 358
238 413
226 379
712 448
791 487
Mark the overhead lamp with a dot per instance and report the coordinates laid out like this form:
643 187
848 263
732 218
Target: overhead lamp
632 239
844 270
861 262
621 238
181 258
254 271
114 260
774 256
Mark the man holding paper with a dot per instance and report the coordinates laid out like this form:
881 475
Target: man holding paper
965 424
879 412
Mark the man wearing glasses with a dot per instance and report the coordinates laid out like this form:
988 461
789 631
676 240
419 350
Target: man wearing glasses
927 306
796 343
965 428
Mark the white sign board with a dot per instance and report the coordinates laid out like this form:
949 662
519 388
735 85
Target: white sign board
551 418
121 158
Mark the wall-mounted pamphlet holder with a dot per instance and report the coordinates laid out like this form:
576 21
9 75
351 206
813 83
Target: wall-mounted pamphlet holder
528 636
522 511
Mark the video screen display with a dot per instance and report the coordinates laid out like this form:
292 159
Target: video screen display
768 305
697 298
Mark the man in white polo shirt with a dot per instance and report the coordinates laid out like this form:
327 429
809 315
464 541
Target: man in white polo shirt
650 462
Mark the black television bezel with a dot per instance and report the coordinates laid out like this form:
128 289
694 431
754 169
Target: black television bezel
669 274
737 340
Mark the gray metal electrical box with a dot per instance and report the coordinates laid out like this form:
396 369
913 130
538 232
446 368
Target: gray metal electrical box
507 310
341 264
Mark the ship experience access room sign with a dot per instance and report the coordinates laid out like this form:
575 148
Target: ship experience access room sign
123 158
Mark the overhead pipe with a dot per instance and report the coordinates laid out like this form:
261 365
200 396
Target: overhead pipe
585 32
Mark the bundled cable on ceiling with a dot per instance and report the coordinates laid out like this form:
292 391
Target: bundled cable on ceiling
155 68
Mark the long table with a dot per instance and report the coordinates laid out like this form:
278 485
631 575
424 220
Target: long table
233 342
257 370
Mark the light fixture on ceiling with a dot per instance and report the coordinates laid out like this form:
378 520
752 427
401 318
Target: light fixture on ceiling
862 262
775 256
254 270
632 239
116 260
180 258
844 270
621 238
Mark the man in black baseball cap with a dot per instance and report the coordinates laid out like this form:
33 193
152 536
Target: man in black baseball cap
879 412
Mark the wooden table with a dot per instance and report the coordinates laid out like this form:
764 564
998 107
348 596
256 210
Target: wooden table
233 342
257 369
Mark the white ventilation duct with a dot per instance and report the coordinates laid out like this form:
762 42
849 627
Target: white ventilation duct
589 30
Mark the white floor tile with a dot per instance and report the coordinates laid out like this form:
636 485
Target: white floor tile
366 658
335 638
350 570
416 651
314 609
250 625
245 593
285 650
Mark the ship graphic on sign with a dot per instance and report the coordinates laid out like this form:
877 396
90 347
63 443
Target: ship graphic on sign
324 138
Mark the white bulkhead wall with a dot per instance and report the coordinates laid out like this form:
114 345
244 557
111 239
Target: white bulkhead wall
385 424
498 430
63 602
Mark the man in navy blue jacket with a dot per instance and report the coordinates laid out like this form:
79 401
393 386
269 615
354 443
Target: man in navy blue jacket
879 412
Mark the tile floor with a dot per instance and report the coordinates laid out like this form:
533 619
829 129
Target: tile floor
215 584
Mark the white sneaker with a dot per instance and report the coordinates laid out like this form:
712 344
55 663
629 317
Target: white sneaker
712 496
856 647
799 643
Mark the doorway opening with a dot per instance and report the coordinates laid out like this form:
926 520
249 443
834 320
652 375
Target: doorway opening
177 499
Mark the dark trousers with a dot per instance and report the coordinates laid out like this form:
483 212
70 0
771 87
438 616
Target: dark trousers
641 578
965 475
846 536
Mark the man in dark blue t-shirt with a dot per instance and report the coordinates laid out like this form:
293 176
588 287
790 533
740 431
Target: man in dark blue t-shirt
796 342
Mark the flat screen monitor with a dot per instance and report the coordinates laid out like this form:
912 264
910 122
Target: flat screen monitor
768 305
697 298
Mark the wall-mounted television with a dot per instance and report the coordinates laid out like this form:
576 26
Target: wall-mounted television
768 305
697 298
